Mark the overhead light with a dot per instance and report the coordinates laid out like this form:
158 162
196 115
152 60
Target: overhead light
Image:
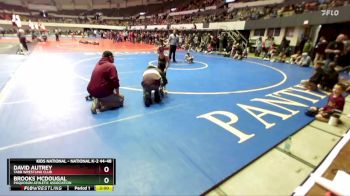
173 9
142 13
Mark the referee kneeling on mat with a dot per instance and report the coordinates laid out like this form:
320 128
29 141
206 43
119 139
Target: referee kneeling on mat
104 85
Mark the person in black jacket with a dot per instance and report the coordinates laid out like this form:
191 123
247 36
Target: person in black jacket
316 78
320 49
330 77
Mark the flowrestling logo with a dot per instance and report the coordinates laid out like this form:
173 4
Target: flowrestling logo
330 12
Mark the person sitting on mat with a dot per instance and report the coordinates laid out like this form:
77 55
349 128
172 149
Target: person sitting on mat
305 60
153 80
238 48
316 78
188 58
295 58
335 104
330 78
104 85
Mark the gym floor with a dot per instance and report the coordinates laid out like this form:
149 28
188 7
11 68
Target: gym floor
185 145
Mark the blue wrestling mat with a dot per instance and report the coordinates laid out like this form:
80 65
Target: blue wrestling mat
8 66
220 115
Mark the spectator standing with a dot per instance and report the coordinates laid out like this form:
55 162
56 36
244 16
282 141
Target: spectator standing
320 49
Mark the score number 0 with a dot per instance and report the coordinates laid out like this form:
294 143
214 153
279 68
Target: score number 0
106 170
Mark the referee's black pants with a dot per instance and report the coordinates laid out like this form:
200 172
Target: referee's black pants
172 51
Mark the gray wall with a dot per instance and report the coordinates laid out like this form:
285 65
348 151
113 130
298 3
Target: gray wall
314 18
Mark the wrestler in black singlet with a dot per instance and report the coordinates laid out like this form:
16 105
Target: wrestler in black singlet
161 63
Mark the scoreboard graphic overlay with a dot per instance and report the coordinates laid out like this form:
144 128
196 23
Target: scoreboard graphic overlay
57 174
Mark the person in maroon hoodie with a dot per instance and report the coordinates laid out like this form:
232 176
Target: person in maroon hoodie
104 85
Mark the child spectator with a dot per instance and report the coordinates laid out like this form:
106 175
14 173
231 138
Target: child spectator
305 60
210 48
335 104
272 53
238 51
295 58
258 45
